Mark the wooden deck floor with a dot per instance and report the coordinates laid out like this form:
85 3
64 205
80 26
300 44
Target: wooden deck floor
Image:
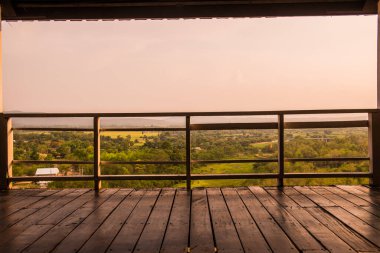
254 219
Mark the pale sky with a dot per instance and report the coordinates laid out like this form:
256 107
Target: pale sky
190 65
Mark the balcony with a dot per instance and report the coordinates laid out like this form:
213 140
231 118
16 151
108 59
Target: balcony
245 219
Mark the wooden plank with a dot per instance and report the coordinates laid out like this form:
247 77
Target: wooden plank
56 234
356 224
349 197
15 217
201 236
104 235
298 234
326 237
56 216
357 242
275 236
177 233
6 209
361 213
20 220
22 240
315 197
74 241
372 197
250 235
298 198
155 228
17 229
129 234
225 234
347 235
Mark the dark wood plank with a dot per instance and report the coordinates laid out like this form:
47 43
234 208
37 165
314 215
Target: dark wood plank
298 198
74 241
356 224
226 236
315 197
56 216
350 237
43 209
298 234
372 197
361 213
353 239
250 235
325 236
104 235
201 237
54 236
348 196
155 228
23 239
129 234
177 233
17 216
275 236
8 209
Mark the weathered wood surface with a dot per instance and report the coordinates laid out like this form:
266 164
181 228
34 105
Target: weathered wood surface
245 219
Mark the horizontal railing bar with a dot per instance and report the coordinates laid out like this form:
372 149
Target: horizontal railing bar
194 176
232 126
144 177
50 162
234 176
174 114
60 129
286 175
51 178
143 129
326 124
327 159
141 162
195 161
329 175
235 161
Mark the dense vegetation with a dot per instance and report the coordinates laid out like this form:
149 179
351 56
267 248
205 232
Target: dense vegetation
206 145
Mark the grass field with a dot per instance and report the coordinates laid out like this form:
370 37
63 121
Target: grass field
134 135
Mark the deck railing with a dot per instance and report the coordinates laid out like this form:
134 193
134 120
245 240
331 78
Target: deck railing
373 124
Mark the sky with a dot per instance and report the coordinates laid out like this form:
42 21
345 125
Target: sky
190 65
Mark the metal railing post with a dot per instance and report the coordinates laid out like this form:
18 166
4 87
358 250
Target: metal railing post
188 154
97 182
374 147
6 152
281 164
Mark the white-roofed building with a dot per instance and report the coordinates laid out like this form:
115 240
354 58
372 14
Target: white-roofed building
45 172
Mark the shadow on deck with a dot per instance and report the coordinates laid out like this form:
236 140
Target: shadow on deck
254 219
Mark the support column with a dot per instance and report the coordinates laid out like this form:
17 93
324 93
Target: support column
374 147
281 156
378 54
374 120
188 154
6 143
97 182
